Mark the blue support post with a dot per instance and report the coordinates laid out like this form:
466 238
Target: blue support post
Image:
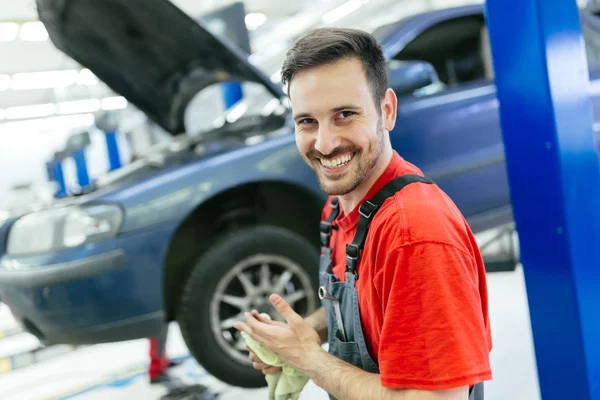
55 173
552 163
232 93
114 158
82 173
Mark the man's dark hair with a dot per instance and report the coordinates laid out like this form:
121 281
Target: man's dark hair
326 45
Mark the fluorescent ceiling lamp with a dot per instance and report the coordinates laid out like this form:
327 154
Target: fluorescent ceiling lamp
4 82
43 80
33 32
343 10
65 108
276 77
114 103
64 122
35 111
79 106
254 20
1 114
8 31
270 107
87 78
236 112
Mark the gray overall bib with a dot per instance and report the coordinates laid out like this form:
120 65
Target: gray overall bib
340 299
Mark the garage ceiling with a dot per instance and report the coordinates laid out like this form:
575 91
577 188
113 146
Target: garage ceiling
65 88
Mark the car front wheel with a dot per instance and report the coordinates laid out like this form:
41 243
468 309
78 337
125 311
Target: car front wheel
235 275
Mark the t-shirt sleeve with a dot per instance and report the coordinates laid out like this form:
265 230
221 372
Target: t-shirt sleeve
434 333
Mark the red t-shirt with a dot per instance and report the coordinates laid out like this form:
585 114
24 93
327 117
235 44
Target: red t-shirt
422 289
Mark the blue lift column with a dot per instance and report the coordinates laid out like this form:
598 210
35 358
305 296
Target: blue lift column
55 173
109 124
232 93
76 145
552 164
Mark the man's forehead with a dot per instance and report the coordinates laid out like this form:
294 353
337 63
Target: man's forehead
328 87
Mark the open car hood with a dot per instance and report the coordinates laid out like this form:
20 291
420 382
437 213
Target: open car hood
148 51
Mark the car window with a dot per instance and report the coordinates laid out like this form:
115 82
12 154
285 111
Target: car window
457 49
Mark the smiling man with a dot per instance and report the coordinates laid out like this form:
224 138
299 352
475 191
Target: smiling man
402 279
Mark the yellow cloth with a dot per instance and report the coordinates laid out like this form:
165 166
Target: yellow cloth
284 385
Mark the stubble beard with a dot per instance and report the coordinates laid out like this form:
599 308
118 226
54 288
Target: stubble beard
364 164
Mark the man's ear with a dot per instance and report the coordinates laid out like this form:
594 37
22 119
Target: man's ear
389 109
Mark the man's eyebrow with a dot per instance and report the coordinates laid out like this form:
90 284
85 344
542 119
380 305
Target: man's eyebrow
301 115
333 110
345 107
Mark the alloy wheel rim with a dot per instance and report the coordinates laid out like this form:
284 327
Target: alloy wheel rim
248 286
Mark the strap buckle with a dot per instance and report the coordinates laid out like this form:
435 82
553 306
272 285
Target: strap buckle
367 209
325 232
334 203
352 256
352 251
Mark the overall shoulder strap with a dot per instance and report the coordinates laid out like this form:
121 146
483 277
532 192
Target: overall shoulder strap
325 226
368 209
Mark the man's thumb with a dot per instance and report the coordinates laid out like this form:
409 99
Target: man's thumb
284 308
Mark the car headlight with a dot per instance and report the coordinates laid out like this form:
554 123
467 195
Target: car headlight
62 228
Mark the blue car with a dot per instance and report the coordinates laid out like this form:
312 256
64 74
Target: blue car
211 224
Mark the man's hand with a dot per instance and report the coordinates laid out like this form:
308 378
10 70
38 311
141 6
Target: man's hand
297 344
256 362
261 366
291 342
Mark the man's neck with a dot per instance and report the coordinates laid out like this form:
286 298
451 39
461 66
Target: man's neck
349 201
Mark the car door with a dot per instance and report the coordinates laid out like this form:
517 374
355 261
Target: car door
452 131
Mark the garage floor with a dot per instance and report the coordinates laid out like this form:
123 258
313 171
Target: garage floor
117 371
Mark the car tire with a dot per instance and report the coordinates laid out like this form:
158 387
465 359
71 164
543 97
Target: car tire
233 268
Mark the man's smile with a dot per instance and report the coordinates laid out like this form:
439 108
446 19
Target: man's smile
336 165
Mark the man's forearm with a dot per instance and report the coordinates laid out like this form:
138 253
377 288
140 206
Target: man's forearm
318 321
344 381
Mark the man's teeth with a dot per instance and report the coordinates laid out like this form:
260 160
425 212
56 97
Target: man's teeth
336 162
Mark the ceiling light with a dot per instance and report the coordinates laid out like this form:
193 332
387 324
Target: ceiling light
270 107
87 78
35 111
43 80
236 112
114 103
79 106
64 122
8 31
4 82
343 10
254 20
33 32
276 77
1 114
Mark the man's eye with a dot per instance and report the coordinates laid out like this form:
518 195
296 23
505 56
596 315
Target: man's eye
306 121
346 114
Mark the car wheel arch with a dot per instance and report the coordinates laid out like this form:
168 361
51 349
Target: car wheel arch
277 203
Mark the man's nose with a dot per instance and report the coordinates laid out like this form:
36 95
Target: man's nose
327 141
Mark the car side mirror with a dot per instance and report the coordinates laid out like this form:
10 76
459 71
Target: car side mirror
406 77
